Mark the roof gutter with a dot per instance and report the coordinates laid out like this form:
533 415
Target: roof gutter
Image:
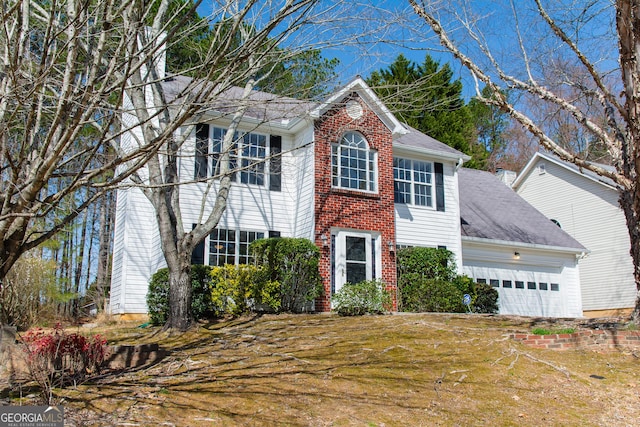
582 252
451 156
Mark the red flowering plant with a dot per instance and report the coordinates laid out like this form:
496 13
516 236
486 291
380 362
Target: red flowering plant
56 359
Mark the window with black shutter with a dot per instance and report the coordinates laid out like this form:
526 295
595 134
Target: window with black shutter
275 164
439 186
202 151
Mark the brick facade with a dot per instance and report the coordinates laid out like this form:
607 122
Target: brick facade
350 209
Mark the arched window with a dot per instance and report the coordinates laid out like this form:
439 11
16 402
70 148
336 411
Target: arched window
353 164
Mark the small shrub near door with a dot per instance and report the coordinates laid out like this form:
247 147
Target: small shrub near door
431 295
486 298
368 297
430 263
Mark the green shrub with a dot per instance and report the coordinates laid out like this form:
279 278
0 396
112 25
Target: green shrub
158 295
427 281
368 297
239 289
419 294
429 263
543 331
291 265
486 298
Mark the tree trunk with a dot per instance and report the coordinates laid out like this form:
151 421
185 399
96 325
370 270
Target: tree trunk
631 207
180 317
106 237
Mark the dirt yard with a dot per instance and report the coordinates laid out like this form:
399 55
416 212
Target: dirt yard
325 370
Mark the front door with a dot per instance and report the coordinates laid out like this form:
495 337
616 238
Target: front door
354 258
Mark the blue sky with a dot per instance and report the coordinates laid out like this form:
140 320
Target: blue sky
367 35
384 29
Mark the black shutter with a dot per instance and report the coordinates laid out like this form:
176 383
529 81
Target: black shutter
202 151
439 187
197 256
275 163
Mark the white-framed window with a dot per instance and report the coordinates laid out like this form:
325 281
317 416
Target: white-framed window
354 164
231 246
413 182
248 155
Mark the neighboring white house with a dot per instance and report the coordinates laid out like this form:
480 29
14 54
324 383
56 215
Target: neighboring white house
347 175
585 205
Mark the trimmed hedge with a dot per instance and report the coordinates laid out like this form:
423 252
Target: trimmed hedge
239 289
430 263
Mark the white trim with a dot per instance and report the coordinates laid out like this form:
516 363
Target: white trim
534 246
399 148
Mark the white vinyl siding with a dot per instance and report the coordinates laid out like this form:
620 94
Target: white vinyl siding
249 207
424 226
588 211
137 252
299 186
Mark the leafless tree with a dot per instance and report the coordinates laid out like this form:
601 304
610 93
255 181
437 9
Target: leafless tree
76 76
509 44
64 69
256 37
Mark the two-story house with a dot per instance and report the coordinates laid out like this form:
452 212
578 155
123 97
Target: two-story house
347 175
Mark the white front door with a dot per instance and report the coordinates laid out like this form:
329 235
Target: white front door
353 258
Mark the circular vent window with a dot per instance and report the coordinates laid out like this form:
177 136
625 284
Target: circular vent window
354 109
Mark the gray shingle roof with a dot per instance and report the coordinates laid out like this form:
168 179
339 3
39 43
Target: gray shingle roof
265 106
262 106
491 210
415 139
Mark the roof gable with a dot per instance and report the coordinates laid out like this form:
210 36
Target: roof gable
587 174
359 86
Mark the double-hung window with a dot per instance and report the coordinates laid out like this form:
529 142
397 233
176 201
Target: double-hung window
231 246
413 182
249 155
354 164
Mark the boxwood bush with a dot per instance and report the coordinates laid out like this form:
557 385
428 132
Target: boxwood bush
239 289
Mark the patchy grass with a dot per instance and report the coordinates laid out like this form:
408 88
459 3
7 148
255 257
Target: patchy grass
545 331
325 370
